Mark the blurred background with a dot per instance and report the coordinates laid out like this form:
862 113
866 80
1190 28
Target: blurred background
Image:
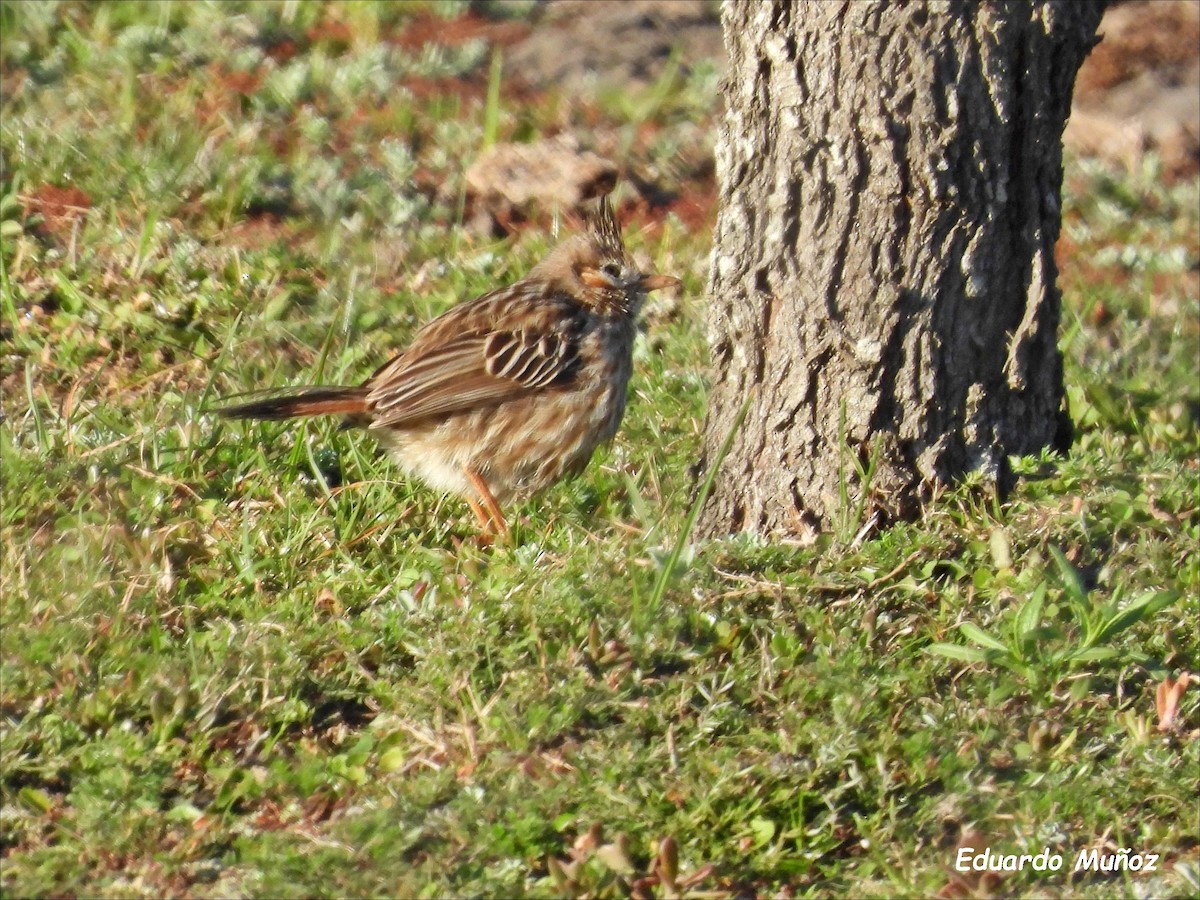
615 88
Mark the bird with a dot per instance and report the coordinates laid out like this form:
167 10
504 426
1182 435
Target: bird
503 395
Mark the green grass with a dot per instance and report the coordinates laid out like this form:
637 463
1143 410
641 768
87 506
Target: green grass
253 660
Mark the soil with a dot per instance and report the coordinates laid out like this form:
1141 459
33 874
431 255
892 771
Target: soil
1139 91
582 44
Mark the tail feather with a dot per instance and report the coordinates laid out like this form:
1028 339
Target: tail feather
309 401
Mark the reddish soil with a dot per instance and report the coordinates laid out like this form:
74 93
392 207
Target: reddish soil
1139 90
1138 38
430 29
60 208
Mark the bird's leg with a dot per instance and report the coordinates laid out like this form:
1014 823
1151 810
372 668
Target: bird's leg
493 519
484 538
485 521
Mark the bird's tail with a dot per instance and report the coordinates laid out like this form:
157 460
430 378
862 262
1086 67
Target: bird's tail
307 401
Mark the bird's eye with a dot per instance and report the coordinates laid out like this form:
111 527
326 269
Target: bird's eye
611 269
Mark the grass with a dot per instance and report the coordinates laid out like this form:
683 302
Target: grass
252 660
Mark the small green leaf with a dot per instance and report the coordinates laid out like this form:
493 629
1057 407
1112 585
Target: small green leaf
183 812
392 760
959 652
71 299
1029 617
37 800
1080 688
975 634
1065 744
1142 608
361 750
1092 654
1072 582
763 829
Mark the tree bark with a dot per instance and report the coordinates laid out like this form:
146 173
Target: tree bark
883 277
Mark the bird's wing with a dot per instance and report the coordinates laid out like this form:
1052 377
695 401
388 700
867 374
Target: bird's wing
460 366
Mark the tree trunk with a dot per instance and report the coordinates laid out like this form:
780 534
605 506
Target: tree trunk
883 278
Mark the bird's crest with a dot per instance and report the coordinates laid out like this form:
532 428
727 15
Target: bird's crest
602 223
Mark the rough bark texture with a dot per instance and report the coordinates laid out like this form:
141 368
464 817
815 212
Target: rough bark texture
883 277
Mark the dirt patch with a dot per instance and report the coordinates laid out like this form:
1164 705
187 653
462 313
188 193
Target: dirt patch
579 44
508 178
59 209
430 29
1141 37
1139 91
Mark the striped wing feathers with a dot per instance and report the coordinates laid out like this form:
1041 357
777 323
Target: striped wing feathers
457 363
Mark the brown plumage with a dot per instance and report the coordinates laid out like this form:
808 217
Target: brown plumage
503 395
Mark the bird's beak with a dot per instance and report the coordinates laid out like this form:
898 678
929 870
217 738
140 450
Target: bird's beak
656 282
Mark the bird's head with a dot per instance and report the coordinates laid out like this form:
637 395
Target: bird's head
595 269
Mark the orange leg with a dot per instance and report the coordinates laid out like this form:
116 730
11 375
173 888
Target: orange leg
485 521
497 522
